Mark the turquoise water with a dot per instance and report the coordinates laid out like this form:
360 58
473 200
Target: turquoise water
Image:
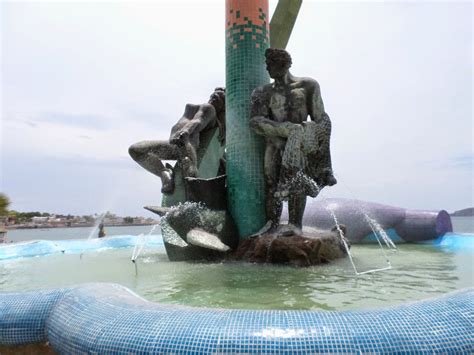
418 272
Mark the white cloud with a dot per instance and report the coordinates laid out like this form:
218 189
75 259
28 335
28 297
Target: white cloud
395 78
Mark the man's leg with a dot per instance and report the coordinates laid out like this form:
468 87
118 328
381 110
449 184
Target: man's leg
328 178
274 205
189 160
296 206
148 154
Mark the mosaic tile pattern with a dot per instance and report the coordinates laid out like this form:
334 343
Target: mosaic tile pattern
108 318
23 316
247 38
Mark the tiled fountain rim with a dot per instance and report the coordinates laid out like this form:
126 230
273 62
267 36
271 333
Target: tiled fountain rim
108 318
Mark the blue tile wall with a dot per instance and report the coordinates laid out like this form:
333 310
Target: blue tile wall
109 318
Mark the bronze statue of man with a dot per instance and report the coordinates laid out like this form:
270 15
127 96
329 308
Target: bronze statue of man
296 150
183 143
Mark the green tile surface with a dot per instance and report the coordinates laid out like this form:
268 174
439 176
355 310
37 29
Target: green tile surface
246 43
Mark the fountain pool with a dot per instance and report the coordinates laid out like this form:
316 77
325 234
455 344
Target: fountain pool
418 271
243 308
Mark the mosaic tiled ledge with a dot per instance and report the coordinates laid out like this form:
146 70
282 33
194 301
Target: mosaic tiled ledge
109 318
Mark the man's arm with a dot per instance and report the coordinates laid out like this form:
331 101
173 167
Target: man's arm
321 118
317 113
203 118
260 121
315 102
268 128
258 104
259 111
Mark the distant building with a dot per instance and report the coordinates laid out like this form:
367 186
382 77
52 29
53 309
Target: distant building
113 220
39 220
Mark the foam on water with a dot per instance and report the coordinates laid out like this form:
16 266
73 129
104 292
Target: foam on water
72 246
455 242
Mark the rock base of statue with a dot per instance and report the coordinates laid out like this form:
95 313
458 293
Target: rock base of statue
291 246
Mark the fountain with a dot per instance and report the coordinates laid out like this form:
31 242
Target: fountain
213 211
98 227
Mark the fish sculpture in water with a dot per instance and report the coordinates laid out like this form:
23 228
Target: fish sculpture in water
192 231
202 228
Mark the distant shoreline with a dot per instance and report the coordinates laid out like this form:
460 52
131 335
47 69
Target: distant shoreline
14 227
467 212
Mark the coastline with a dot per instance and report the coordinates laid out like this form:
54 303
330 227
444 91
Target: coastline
89 225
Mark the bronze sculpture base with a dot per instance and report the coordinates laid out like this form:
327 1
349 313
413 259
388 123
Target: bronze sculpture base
292 247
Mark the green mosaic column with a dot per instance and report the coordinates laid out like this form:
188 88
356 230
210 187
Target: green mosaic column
247 38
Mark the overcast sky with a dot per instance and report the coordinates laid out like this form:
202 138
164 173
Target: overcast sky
83 81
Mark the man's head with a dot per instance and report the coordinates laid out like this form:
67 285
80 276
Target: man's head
217 99
278 62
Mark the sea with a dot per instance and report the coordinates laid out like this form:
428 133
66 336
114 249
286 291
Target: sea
22 235
460 225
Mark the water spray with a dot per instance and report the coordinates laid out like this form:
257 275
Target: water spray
338 227
341 233
134 261
97 222
373 225
138 249
376 229
343 239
